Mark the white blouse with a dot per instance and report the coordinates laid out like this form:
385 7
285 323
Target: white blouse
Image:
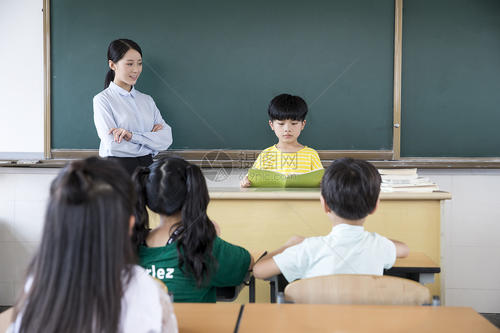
115 107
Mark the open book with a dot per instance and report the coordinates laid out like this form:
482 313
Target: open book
267 178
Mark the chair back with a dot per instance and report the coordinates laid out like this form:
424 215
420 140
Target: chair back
357 289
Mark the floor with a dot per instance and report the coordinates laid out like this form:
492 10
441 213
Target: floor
494 318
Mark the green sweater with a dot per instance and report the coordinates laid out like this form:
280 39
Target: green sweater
163 264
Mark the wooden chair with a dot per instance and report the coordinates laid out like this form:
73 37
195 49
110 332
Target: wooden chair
357 289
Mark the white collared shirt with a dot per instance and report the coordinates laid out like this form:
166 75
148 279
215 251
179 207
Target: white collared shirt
115 107
347 249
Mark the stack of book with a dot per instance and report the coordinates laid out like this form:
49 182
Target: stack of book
405 180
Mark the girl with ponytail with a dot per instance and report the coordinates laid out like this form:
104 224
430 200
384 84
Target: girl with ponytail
128 122
184 251
83 277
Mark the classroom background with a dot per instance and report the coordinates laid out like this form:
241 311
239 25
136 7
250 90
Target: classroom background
470 221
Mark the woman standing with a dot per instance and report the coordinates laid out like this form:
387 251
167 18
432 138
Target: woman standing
128 122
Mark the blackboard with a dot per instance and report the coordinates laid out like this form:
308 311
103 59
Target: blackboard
451 78
213 66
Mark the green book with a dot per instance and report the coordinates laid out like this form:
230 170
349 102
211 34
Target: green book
267 178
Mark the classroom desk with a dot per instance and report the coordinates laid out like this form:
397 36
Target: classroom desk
262 218
417 267
207 318
5 319
291 318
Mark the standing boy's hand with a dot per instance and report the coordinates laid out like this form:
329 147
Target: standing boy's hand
245 182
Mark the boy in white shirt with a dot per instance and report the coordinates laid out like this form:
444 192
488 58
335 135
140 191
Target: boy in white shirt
349 193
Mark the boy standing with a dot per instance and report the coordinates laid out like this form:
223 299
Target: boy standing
287 118
349 193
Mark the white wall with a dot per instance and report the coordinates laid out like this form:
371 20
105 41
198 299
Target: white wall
471 222
21 86
470 237
23 196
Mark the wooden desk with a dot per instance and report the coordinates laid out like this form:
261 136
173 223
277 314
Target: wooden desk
417 266
202 317
291 318
267 218
6 319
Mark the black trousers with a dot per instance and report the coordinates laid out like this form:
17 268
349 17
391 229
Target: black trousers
132 163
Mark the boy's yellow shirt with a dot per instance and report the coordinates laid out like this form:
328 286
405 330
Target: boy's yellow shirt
302 161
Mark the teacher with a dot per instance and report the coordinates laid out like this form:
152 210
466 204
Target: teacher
128 122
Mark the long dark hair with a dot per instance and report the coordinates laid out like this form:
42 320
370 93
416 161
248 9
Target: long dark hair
85 257
116 51
169 186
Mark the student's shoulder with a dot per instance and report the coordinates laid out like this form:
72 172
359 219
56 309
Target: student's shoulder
378 239
309 150
141 280
269 149
313 242
140 274
219 242
142 292
309 244
221 247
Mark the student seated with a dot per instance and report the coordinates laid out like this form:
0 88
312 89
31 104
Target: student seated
184 251
287 118
349 192
83 277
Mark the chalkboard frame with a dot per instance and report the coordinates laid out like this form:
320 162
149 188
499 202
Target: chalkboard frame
197 155
392 157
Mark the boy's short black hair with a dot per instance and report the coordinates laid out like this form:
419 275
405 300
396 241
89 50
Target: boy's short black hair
285 106
351 188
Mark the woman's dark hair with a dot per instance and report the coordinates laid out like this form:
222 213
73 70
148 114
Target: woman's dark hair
351 188
81 269
285 106
116 51
171 185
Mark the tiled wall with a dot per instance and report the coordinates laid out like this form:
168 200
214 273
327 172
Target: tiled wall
470 230
471 237
23 196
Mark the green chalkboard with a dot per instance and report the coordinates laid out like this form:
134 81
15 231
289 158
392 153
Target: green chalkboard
213 66
451 78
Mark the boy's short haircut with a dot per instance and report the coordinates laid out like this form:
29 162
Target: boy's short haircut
351 188
285 106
